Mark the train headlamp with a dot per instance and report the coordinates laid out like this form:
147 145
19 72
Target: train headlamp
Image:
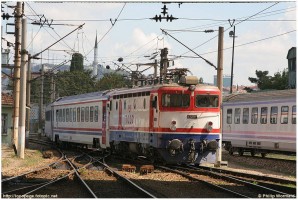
173 125
209 126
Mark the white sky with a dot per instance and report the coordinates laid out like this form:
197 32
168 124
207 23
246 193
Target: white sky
134 39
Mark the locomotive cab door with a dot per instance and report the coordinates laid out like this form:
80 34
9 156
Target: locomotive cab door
153 116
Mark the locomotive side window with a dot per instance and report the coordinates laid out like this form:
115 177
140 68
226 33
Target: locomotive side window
91 113
245 116
254 115
78 114
206 101
273 115
229 116
116 105
284 114
124 104
237 115
294 115
144 103
96 114
175 100
264 111
87 114
74 115
82 114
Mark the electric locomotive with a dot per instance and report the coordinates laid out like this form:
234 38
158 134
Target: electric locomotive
173 123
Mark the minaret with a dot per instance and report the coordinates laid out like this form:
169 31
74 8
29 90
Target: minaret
95 62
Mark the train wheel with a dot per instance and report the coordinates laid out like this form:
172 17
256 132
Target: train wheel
231 152
240 152
252 153
263 155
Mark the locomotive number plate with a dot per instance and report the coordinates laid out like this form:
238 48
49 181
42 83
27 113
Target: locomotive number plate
192 116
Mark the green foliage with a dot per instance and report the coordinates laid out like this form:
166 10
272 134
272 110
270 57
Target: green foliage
111 81
264 82
75 82
77 62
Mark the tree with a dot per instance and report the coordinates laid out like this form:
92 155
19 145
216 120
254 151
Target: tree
111 81
77 62
75 82
278 82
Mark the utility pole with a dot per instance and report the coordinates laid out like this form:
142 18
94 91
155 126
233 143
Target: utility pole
17 66
28 93
219 85
41 101
52 87
22 119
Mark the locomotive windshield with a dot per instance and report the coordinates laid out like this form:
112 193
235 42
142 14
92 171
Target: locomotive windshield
206 101
175 100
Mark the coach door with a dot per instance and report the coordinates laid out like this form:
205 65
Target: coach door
51 133
104 122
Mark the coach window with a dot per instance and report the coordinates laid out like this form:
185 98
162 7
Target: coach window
124 104
67 115
57 115
294 115
284 114
91 113
116 105
74 115
175 100
245 116
264 111
70 114
87 114
60 115
237 115
111 105
229 116
96 114
273 115
63 115
78 114
82 114
254 115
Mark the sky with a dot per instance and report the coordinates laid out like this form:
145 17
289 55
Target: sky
264 34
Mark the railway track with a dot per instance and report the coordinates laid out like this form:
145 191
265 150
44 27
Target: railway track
247 187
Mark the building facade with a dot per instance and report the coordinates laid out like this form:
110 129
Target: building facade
6 118
292 67
226 80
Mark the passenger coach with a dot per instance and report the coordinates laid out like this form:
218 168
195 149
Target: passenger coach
260 122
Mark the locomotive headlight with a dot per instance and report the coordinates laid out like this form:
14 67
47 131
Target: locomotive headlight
173 125
209 126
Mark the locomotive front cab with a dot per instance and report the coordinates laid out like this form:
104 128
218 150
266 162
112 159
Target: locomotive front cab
188 123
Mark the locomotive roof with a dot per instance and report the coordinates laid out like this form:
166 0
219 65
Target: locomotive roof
261 96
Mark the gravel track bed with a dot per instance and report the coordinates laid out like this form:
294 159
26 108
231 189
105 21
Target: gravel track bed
279 169
107 186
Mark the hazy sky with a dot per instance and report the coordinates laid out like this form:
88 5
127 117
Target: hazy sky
265 32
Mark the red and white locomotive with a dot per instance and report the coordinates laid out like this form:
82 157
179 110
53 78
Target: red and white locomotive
175 123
